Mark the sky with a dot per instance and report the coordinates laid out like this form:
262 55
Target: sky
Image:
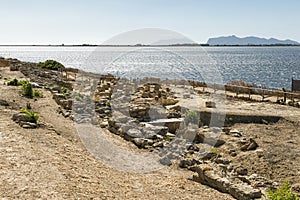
96 21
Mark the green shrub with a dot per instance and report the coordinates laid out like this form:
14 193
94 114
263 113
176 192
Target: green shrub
284 192
27 89
37 93
13 82
22 82
64 90
33 117
51 64
192 117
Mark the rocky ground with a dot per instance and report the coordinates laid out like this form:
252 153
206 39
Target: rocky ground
257 147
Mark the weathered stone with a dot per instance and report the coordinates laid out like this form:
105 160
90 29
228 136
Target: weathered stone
3 103
235 133
168 101
20 117
161 130
172 124
240 170
185 163
174 107
210 104
142 142
221 160
207 175
132 133
250 145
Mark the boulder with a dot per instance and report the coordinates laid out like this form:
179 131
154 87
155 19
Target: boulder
210 104
250 145
142 142
133 133
212 177
20 117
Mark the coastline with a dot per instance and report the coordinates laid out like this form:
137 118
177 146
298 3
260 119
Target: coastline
58 131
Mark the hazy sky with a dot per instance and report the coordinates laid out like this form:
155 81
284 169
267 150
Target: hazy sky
95 21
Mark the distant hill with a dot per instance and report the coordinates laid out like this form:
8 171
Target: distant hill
234 40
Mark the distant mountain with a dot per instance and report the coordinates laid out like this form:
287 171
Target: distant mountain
234 40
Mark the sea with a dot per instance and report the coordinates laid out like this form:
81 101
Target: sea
271 67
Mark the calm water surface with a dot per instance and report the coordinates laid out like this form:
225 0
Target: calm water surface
267 66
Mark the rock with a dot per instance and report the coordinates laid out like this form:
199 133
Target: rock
158 144
210 156
20 117
14 67
29 125
221 160
210 104
232 153
161 130
240 170
132 133
167 159
235 133
186 96
104 124
175 107
209 176
250 145
259 153
170 135
142 142
172 124
168 101
185 163
3 103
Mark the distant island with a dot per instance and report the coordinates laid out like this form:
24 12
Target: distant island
181 42
251 40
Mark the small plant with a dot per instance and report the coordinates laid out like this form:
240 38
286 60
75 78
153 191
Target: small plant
51 64
37 93
64 90
215 151
168 138
13 82
27 89
108 103
192 117
33 117
28 106
284 192
22 82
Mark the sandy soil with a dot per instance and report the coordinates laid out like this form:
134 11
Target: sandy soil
50 162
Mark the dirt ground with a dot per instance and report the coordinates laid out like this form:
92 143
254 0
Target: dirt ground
50 162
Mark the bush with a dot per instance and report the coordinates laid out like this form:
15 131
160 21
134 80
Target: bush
37 93
284 192
192 117
27 89
13 82
51 64
33 117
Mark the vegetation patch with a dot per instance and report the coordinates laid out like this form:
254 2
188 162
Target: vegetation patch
51 64
33 117
284 192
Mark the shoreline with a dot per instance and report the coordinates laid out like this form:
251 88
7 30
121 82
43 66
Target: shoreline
242 146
